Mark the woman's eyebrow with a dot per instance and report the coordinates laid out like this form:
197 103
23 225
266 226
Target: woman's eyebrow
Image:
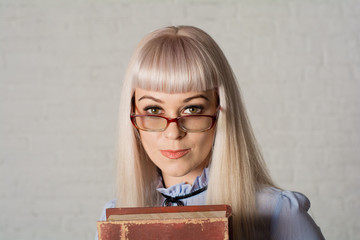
196 96
150 97
185 100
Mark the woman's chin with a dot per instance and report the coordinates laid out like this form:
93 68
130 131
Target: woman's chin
176 173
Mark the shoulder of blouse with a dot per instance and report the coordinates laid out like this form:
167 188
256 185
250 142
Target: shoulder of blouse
109 204
286 212
269 199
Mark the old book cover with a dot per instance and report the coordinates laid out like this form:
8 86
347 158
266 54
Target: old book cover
179 222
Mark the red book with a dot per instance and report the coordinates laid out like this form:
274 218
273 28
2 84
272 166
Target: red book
210 222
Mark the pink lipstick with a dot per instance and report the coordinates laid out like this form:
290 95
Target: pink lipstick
174 154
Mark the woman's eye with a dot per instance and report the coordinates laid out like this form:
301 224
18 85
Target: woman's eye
153 110
193 110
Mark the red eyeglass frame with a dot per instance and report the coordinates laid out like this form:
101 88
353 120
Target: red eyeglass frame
176 120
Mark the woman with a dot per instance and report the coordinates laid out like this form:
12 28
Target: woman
185 139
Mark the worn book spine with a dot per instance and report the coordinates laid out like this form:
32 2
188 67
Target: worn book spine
213 228
144 210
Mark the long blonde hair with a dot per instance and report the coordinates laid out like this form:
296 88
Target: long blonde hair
182 59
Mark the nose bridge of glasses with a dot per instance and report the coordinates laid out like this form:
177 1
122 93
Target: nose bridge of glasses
179 124
176 130
174 120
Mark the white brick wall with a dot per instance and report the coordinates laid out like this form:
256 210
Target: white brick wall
61 67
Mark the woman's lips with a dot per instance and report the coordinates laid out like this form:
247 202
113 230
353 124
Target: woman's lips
174 154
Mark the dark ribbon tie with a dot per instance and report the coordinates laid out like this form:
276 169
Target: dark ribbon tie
169 200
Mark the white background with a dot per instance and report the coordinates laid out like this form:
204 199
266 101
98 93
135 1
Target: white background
61 70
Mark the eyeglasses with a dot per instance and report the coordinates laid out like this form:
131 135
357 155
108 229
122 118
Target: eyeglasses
188 123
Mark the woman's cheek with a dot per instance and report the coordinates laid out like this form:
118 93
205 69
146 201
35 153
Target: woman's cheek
149 140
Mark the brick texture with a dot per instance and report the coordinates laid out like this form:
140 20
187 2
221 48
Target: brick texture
61 69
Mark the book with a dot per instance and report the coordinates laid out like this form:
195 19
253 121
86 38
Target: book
210 222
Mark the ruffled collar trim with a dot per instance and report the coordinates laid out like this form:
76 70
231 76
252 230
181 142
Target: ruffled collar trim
181 189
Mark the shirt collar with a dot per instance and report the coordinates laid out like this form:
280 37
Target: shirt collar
183 188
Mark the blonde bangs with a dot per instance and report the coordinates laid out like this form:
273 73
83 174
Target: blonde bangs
174 64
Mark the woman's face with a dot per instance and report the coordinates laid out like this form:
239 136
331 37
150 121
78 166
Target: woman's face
180 155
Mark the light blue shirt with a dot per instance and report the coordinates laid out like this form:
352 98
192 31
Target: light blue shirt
283 214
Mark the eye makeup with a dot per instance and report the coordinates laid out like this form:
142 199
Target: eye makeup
198 109
149 109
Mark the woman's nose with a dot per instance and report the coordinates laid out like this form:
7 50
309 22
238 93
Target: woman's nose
173 131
